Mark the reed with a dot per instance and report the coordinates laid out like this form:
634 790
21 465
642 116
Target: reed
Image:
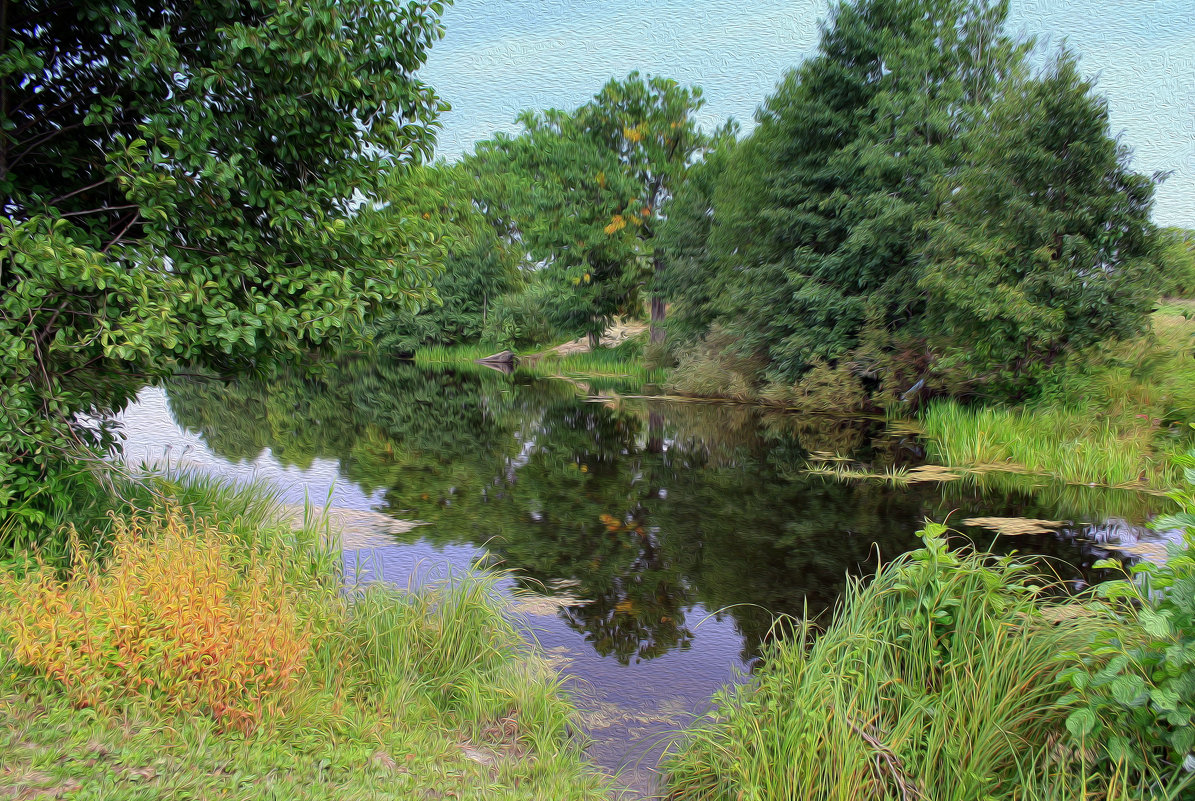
937 679
1075 445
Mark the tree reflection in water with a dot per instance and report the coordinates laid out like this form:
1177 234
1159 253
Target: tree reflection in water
645 510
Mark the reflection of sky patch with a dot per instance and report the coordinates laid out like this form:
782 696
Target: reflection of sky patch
151 436
502 56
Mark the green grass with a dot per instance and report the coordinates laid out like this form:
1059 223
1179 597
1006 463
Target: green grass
452 354
1116 419
614 363
624 361
1074 445
431 693
937 679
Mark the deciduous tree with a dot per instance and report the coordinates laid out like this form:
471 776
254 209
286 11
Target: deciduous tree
179 183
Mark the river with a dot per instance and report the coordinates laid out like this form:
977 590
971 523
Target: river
650 543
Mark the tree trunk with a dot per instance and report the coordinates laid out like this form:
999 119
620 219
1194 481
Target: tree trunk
595 339
658 309
657 319
655 432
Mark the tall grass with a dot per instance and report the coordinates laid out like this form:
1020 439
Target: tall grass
624 360
1115 418
1074 445
452 354
938 679
616 362
455 645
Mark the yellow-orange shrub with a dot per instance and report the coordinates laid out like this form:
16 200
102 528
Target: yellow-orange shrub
183 615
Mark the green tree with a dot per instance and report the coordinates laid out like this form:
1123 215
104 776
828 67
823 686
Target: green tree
819 209
479 265
915 206
561 190
1176 261
649 122
689 278
179 184
585 192
1043 242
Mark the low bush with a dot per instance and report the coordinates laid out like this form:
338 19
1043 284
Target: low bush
824 389
181 615
1136 693
521 320
711 369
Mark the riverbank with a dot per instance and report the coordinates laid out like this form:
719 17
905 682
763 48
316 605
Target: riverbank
435 693
623 362
214 655
1118 419
954 675
1114 419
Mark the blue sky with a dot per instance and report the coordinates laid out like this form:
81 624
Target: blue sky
501 56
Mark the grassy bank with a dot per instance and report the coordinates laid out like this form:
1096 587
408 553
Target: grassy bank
1117 419
947 677
623 361
216 656
451 355
1079 446
1112 418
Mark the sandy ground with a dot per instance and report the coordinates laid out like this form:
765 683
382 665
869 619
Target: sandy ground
618 332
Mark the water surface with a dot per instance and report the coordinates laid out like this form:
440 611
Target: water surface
662 537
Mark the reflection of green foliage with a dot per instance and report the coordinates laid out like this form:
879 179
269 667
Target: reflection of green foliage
191 185
645 508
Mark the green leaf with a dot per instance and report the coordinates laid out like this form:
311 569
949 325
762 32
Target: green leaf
1156 624
1129 690
1081 722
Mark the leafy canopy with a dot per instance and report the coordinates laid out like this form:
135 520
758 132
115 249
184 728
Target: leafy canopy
480 265
584 191
179 183
914 200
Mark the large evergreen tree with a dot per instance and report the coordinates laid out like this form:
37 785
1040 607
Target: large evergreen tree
1043 243
821 205
912 198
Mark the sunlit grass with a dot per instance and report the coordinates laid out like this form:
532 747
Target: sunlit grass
1075 446
1112 420
600 363
440 355
624 361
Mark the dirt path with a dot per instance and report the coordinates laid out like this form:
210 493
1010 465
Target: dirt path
618 332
